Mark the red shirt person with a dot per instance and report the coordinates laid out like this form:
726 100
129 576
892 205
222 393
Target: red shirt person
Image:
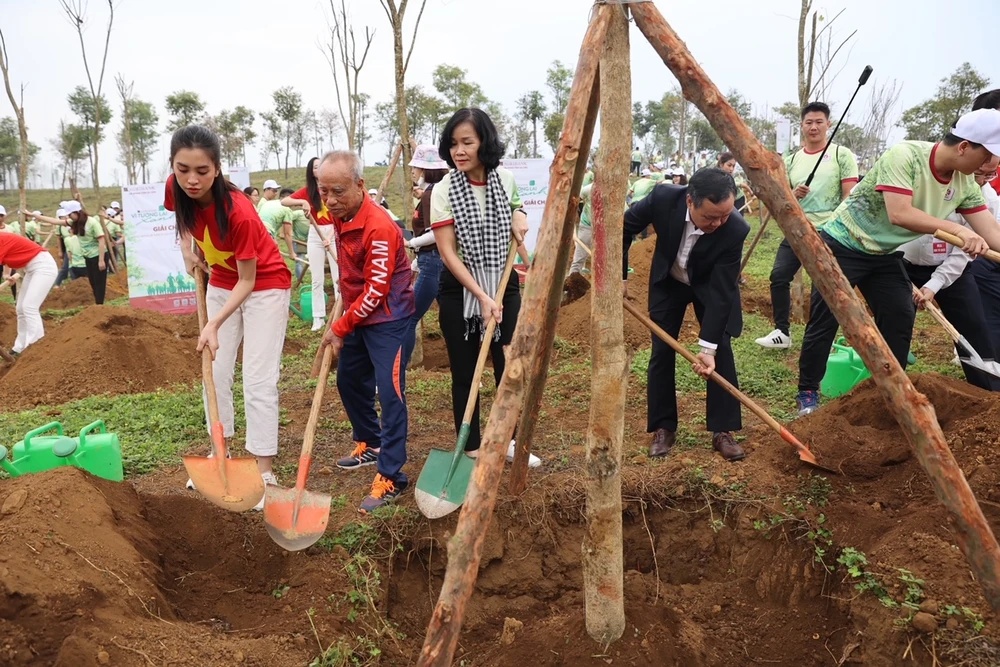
248 291
39 273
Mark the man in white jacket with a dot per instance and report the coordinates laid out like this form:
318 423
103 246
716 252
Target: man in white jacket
939 270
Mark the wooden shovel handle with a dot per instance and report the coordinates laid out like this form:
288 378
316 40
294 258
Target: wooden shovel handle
491 325
957 241
939 316
207 375
317 406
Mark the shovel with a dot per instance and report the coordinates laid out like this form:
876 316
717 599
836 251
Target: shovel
445 476
973 360
296 518
805 455
232 484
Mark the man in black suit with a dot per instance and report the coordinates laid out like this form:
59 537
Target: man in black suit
699 243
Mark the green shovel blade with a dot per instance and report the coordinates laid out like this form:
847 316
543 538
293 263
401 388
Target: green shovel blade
444 479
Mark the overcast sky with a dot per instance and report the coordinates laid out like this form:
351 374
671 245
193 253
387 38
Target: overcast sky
238 52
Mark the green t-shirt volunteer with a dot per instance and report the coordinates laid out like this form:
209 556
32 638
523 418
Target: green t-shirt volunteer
300 225
89 245
861 222
75 251
641 188
31 229
636 156
587 215
274 215
838 166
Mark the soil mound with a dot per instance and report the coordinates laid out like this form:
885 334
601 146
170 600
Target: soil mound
8 325
76 293
576 288
104 350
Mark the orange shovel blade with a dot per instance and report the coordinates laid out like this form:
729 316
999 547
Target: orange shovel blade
805 454
294 528
232 484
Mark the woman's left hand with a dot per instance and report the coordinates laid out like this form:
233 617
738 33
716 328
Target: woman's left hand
210 337
519 226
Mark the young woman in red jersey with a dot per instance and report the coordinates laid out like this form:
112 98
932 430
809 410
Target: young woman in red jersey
248 291
39 272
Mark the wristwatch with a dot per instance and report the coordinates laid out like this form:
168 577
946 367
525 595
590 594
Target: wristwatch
708 351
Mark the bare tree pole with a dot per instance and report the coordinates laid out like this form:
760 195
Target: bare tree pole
396 14
528 352
910 408
603 574
125 92
22 129
341 53
75 10
880 118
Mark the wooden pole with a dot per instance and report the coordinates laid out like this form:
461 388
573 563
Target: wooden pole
911 409
535 333
388 174
603 573
753 244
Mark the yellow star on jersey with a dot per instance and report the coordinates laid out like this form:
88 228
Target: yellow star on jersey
213 255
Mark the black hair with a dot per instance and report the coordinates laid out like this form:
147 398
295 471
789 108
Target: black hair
682 179
725 157
79 226
312 187
821 107
491 148
988 100
432 176
285 192
711 183
954 140
198 136
249 190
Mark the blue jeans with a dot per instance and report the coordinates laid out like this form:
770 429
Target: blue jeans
425 290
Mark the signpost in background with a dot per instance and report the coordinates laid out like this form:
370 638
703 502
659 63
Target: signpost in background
532 178
240 176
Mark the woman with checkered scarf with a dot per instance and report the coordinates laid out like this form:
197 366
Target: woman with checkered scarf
474 211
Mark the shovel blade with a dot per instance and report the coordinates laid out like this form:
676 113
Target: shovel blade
243 486
291 531
436 494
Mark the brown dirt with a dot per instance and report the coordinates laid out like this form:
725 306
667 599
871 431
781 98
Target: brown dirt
76 293
576 287
8 325
104 350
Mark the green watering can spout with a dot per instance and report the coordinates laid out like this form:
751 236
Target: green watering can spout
6 464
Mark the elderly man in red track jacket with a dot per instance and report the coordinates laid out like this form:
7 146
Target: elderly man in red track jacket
376 285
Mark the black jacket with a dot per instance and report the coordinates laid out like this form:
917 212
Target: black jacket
713 267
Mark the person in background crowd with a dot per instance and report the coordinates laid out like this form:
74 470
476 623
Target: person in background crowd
987 272
636 161
910 191
248 290
429 168
370 337
475 212
38 275
8 228
641 188
300 232
63 232
277 217
584 230
31 226
836 176
727 162
74 255
656 171
699 242
939 270
93 246
115 231
254 195
320 242
118 210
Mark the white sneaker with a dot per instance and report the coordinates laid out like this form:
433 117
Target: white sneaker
268 478
190 484
318 323
776 340
533 461
956 360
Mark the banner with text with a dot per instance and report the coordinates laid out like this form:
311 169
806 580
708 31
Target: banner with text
532 178
240 176
156 276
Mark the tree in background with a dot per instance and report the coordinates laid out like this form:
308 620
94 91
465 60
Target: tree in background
288 108
71 144
125 147
302 133
458 92
11 153
932 118
531 109
396 14
817 53
224 125
272 138
559 80
75 10
93 118
331 125
186 108
22 130
362 135
341 52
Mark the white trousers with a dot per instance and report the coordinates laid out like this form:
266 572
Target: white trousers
39 277
316 254
580 255
260 325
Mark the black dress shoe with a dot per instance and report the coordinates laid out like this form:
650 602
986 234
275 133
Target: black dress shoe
663 442
727 447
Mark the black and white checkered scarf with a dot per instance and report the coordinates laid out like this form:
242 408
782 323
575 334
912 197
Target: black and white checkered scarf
483 240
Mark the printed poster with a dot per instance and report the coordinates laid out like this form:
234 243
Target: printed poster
783 131
532 178
240 177
157 279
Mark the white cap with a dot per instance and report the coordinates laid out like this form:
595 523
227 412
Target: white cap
115 204
3 211
373 192
980 127
646 172
659 165
110 212
426 157
271 184
36 213
61 213
72 206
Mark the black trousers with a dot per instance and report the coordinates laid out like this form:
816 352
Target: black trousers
786 265
64 269
722 411
887 289
987 277
635 167
463 352
961 304
98 279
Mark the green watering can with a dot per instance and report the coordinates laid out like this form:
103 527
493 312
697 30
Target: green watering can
845 370
99 453
305 309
